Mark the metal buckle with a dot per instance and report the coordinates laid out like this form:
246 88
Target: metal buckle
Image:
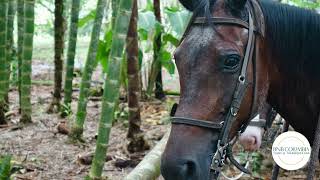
219 157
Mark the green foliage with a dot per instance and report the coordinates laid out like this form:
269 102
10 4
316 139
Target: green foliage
104 48
146 21
166 61
148 28
256 162
171 30
5 168
66 110
177 19
304 3
88 18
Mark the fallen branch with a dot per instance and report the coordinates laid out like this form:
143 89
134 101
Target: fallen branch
149 167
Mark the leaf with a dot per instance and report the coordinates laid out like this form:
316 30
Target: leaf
178 20
140 58
143 34
166 61
305 4
104 48
149 6
158 29
5 168
146 21
89 17
170 38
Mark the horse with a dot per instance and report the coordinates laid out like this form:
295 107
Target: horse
235 58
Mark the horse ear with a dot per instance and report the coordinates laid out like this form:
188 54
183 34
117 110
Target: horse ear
188 4
237 5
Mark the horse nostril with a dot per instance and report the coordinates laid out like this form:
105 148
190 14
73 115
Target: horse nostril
188 170
177 171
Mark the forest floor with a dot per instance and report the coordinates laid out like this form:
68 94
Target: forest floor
40 152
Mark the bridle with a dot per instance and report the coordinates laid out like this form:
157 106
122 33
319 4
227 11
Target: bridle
224 146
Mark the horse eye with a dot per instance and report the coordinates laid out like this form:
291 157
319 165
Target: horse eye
231 62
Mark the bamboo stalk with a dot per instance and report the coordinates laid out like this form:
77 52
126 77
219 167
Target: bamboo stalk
26 108
75 9
20 19
3 58
9 53
77 127
111 88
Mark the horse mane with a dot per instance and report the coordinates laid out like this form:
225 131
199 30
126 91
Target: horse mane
294 36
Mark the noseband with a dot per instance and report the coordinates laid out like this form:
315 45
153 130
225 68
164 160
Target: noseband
224 146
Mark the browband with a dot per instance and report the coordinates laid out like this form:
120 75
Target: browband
221 20
196 122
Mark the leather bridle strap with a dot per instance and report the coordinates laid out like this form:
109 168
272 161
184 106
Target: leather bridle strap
197 122
223 147
221 20
241 86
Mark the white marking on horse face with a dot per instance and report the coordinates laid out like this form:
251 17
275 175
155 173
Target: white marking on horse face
252 137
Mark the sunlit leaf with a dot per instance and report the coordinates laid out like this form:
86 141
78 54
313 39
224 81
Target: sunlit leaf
178 19
166 61
170 38
146 21
88 18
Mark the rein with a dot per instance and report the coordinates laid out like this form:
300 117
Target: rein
224 146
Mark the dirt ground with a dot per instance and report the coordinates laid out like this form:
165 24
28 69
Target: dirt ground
40 152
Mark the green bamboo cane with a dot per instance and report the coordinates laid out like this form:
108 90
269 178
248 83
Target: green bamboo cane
77 127
71 51
3 60
26 109
115 7
111 88
20 20
9 54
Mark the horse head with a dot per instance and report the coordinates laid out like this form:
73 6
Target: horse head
218 84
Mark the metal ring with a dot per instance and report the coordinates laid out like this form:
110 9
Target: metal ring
242 79
233 112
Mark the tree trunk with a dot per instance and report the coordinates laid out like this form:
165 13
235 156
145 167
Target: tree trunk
26 109
111 88
135 135
77 127
155 77
3 60
20 7
159 94
71 52
59 30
